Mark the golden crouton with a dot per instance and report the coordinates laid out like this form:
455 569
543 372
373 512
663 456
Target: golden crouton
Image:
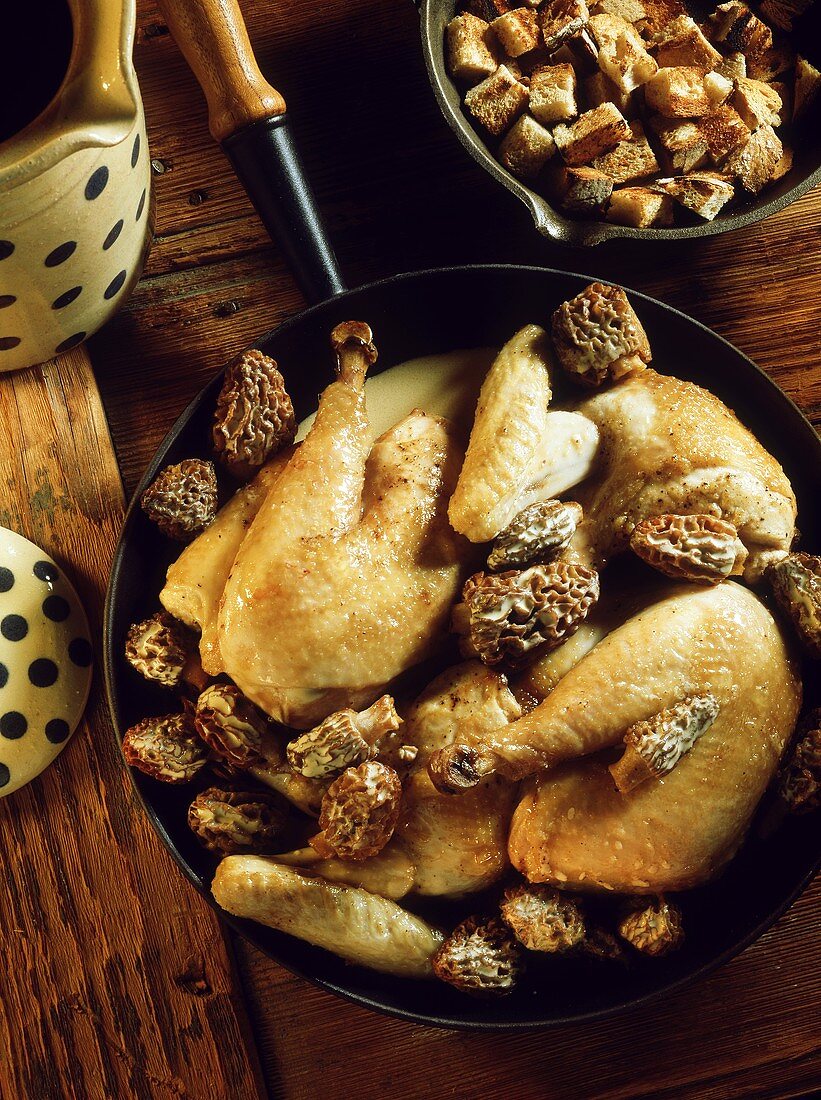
632 159
734 27
807 84
582 190
640 207
497 102
683 43
685 92
621 53
593 133
517 31
471 51
599 89
488 9
783 13
724 130
757 103
785 95
772 63
526 148
683 145
658 14
755 162
784 164
630 10
553 93
702 193
733 66
562 19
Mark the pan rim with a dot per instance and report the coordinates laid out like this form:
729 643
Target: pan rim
240 926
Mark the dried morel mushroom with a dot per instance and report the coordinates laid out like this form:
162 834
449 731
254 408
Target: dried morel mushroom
510 614
182 500
254 415
655 746
359 812
796 584
230 725
799 784
343 739
597 335
480 957
458 767
699 548
166 748
542 919
655 929
538 532
159 648
231 822
602 945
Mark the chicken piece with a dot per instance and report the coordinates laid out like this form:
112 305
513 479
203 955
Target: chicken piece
672 447
353 923
389 873
691 641
575 830
195 581
508 465
348 571
458 845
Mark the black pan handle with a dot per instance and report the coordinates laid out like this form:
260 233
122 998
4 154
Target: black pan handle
248 118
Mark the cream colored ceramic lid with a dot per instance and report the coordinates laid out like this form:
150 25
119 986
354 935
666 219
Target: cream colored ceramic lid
45 660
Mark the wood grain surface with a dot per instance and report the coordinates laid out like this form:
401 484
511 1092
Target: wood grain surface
399 193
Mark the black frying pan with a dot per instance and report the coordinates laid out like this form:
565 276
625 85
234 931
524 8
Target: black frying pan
414 315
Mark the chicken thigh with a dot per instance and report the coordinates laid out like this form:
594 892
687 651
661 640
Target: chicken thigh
347 573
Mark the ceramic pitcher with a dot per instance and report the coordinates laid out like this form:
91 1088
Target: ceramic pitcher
74 194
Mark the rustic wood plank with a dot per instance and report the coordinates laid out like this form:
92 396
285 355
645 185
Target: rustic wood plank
117 981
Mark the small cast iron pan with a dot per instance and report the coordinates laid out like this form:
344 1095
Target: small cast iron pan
806 171
420 314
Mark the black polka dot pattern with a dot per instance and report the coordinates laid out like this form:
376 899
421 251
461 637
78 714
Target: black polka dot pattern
43 672
5 775
96 183
67 297
13 628
4 675
7 300
56 608
57 730
60 254
8 342
113 234
114 286
140 206
70 342
6 579
6 249
46 571
13 724
135 151
79 650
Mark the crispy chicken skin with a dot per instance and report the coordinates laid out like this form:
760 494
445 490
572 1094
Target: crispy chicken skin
669 446
354 923
347 573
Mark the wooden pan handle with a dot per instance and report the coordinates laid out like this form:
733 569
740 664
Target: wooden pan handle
214 41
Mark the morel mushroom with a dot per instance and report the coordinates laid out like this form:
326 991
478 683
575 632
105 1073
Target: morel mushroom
796 584
597 336
480 957
654 747
166 748
602 945
182 500
655 929
159 648
342 740
513 613
699 548
359 812
538 532
800 780
231 822
254 416
542 919
230 725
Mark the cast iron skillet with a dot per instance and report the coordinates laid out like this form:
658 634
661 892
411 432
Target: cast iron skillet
806 171
413 315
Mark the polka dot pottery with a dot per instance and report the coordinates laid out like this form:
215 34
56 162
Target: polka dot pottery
45 660
74 196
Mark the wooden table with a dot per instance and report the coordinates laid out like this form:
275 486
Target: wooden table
398 193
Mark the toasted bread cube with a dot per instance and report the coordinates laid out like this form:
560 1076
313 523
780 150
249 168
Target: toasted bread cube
562 19
640 207
724 131
632 159
630 10
592 134
517 31
622 56
685 92
757 103
497 102
658 15
488 9
733 66
770 64
584 51
704 194
599 89
582 190
783 13
683 145
717 88
553 93
734 26
683 43
526 148
471 51
755 162
785 95
784 164
807 85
